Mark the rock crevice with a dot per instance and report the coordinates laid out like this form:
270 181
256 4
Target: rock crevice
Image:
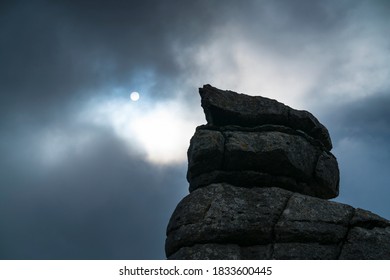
260 174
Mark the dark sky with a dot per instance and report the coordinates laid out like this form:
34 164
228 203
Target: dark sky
86 173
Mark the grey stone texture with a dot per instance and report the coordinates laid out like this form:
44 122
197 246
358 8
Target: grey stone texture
224 107
222 221
260 173
268 155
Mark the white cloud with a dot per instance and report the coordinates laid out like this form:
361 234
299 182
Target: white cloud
301 68
230 61
159 130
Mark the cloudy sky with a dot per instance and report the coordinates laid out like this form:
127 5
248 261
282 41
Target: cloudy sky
86 173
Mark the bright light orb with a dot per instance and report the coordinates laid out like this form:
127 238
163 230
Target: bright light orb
134 96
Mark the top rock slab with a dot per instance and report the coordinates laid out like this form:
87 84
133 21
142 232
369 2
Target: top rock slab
225 107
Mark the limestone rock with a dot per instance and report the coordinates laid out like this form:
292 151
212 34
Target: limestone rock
222 221
215 251
208 252
269 156
305 251
259 141
362 243
309 219
366 219
206 152
259 174
246 179
224 213
229 108
326 173
272 152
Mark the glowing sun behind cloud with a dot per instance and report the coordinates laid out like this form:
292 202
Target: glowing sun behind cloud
134 96
161 131
164 136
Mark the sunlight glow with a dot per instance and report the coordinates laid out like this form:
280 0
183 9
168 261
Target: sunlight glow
161 131
134 96
163 134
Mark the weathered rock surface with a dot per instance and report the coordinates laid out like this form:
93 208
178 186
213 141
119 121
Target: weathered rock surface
255 140
227 214
259 174
363 243
224 107
222 221
269 154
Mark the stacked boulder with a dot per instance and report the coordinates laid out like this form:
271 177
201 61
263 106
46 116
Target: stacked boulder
260 174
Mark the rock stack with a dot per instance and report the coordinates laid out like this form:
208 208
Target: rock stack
260 174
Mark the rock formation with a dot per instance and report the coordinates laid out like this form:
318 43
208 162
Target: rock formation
260 174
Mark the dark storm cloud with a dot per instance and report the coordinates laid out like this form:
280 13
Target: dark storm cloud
360 133
366 118
288 27
55 52
51 51
100 204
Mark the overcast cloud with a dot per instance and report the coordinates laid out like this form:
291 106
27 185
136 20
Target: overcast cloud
86 173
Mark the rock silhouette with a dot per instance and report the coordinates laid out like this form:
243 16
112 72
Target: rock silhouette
260 174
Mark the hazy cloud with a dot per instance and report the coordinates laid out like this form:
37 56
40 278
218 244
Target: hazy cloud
98 203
